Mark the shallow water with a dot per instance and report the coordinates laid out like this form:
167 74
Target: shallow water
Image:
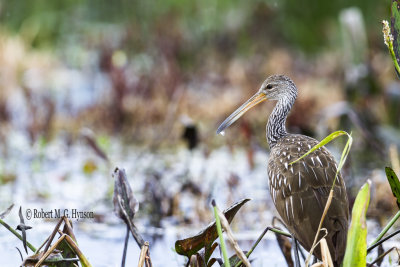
51 177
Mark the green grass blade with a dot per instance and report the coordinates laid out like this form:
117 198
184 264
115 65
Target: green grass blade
325 141
346 151
221 238
386 229
260 238
356 249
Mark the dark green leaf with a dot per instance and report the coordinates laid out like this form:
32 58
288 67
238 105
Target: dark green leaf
205 238
394 183
66 252
234 259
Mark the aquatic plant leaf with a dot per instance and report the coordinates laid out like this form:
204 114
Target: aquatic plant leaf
234 260
209 251
395 28
197 260
356 249
211 262
54 259
394 184
64 246
125 204
23 228
66 251
53 249
206 237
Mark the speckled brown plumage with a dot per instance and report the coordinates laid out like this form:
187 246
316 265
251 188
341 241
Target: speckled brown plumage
300 191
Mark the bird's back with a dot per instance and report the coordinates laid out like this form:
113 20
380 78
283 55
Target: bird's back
300 192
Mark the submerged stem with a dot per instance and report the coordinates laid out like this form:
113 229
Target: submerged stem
17 235
387 227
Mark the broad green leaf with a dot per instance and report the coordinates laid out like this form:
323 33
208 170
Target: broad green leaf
205 238
356 249
394 183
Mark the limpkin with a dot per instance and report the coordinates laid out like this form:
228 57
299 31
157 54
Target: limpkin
300 190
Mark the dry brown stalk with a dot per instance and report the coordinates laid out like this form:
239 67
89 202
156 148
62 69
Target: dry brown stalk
326 255
143 254
328 204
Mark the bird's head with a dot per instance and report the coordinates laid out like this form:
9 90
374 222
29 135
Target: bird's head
275 87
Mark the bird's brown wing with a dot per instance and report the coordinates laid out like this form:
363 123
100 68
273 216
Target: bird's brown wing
300 192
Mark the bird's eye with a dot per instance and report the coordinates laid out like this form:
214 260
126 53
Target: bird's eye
269 86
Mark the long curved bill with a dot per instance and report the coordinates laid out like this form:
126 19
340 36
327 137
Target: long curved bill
254 100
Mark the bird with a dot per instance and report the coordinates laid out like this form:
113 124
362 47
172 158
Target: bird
300 190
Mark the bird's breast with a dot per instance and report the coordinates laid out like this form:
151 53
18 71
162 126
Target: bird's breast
286 178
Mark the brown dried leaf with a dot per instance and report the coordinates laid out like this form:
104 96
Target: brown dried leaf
125 204
205 238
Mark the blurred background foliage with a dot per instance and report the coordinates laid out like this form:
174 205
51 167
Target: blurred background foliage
143 68
162 51
163 74
309 27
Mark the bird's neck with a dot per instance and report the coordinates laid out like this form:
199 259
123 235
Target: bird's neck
276 123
